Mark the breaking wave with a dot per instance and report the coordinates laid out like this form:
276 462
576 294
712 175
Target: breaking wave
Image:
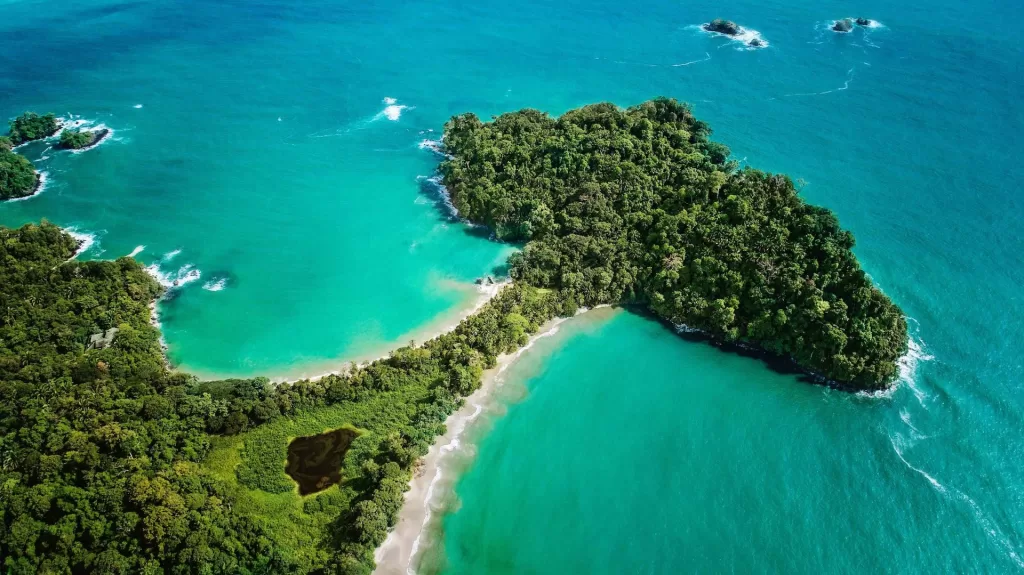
216 285
185 274
85 241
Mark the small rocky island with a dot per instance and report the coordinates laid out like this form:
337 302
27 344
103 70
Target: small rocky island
727 27
74 139
734 31
846 24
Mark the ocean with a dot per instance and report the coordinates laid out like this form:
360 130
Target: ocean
269 157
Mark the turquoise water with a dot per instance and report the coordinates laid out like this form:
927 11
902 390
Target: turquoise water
263 153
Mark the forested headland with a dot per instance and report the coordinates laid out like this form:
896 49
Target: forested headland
112 463
640 206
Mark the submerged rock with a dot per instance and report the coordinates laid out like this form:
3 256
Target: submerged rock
864 22
726 27
844 25
755 43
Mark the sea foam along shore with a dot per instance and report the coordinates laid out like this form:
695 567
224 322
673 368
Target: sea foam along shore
42 178
399 553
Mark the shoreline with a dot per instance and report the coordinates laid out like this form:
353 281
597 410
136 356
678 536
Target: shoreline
482 294
399 552
41 181
485 293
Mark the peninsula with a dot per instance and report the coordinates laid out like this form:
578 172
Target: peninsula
113 463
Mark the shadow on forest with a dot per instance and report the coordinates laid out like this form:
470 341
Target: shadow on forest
774 362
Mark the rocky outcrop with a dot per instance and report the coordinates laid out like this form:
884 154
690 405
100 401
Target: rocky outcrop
844 25
726 27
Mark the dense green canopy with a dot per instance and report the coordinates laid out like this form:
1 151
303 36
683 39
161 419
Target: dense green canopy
103 450
74 139
99 448
31 126
639 205
106 464
17 175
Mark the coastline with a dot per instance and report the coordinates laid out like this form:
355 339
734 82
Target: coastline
41 181
484 294
399 553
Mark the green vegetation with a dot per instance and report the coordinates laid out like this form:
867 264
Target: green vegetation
31 126
111 463
99 448
640 206
18 176
74 139
105 461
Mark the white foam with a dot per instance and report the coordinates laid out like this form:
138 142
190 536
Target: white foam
216 285
451 446
389 101
105 137
171 255
43 180
845 86
136 251
393 112
446 198
908 366
708 57
993 530
935 482
184 275
85 241
432 145
137 106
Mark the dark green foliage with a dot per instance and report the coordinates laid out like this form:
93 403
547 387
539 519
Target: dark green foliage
6 143
639 205
18 176
103 452
99 448
31 126
73 139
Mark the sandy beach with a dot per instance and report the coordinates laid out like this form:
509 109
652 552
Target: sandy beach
484 293
400 552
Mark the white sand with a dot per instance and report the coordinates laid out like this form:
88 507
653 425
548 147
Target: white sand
400 551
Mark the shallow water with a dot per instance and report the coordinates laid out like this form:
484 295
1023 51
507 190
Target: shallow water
265 151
